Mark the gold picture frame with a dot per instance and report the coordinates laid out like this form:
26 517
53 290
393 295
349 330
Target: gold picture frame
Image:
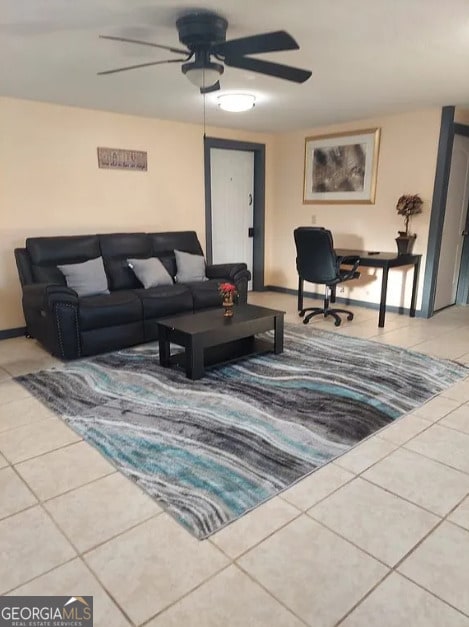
341 168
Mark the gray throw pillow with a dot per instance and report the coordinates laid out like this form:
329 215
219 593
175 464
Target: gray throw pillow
190 267
150 272
87 278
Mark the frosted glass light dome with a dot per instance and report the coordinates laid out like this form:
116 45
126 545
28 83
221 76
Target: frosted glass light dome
236 102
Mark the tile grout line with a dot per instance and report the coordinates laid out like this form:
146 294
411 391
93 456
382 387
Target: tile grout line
243 553
404 498
394 569
368 594
186 594
46 572
451 428
303 511
465 472
78 487
82 556
23 509
27 459
271 594
400 496
106 591
41 501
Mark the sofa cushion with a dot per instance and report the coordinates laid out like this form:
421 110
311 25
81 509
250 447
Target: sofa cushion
87 278
108 310
164 244
150 272
205 293
46 253
116 248
189 267
165 300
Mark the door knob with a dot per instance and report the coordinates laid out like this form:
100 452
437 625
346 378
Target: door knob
465 233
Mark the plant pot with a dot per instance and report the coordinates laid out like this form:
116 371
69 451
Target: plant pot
405 244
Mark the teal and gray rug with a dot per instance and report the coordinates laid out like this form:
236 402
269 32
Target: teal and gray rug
211 450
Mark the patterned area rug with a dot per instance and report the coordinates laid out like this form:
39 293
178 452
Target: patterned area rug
213 449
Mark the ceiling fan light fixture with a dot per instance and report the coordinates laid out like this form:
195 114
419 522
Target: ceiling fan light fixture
236 103
203 75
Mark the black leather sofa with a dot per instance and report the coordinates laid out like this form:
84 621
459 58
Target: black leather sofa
69 326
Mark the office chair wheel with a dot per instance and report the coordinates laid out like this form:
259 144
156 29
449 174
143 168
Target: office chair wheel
337 323
301 313
350 316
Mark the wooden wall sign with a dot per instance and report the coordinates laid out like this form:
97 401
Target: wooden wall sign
119 159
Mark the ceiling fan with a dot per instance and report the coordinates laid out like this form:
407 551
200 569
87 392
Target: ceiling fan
204 35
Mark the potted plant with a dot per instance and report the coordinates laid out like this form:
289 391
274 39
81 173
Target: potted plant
229 293
408 205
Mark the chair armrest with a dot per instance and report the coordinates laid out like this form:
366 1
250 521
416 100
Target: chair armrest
44 295
349 260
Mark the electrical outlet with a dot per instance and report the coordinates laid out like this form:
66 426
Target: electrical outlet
313 219
341 290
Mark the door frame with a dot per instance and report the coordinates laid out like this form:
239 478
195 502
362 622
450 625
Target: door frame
258 244
462 294
448 129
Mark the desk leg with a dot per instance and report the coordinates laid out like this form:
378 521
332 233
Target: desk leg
278 337
300 293
414 288
382 304
194 361
164 347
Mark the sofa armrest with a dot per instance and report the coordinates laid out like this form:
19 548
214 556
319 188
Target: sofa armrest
44 296
227 271
51 314
238 273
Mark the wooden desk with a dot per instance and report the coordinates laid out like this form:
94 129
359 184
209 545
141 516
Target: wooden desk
385 261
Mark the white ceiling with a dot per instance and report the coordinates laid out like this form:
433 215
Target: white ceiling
368 57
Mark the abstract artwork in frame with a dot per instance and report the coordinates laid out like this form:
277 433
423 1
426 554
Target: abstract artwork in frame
341 168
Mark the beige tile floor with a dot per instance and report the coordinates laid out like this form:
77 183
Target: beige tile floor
379 537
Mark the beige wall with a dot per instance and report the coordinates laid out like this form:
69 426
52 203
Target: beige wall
50 183
461 116
407 163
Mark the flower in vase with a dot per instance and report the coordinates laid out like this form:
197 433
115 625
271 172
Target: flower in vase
228 291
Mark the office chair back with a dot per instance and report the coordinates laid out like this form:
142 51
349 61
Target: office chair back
316 260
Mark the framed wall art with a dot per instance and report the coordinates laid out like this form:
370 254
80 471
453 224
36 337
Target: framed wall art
341 168
120 159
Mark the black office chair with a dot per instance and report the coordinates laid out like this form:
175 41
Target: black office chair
317 262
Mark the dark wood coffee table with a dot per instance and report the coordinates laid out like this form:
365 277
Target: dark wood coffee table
208 337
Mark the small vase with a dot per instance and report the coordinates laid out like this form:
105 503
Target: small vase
228 306
405 244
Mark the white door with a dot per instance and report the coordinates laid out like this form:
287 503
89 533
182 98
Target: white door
232 196
455 220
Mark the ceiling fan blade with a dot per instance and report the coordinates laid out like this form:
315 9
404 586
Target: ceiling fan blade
134 67
144 43
255 44
208 90
278 70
